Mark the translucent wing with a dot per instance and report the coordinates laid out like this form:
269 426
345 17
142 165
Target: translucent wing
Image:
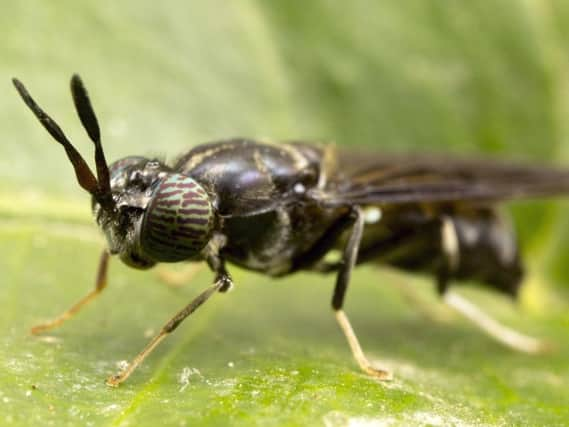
364 178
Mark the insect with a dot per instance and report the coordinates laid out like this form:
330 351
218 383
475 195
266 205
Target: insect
282 208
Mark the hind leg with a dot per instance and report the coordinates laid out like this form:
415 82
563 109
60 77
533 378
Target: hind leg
499 332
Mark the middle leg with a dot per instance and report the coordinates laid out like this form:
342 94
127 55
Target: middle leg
348 262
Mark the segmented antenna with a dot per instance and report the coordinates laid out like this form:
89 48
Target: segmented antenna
100 189
89 121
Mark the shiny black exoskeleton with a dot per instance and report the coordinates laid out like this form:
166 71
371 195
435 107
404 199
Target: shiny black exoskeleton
280 208
273 221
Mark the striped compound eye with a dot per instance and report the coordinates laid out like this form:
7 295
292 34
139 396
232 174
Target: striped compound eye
178 221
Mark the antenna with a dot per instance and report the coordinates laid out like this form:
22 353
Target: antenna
100 189
89 121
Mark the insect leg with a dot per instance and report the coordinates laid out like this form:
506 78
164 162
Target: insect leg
412 297
501 333
343 278
176 279
222 281
100 284
451 253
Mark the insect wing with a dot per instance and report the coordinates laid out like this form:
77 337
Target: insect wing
365 179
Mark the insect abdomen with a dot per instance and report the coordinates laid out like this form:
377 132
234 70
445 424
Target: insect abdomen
488 252
476 245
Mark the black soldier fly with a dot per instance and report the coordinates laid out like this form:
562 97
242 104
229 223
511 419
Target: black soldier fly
281 208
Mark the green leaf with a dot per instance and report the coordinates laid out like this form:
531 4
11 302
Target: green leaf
466 77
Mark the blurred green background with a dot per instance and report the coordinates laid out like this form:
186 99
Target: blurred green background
476 78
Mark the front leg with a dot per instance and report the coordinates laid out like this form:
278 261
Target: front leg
349 258
221 284
217 263
100 285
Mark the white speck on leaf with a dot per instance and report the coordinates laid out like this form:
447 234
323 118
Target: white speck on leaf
74 411
340 419
110 408
185 375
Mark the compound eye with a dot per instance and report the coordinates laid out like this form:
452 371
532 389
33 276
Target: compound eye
178 222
